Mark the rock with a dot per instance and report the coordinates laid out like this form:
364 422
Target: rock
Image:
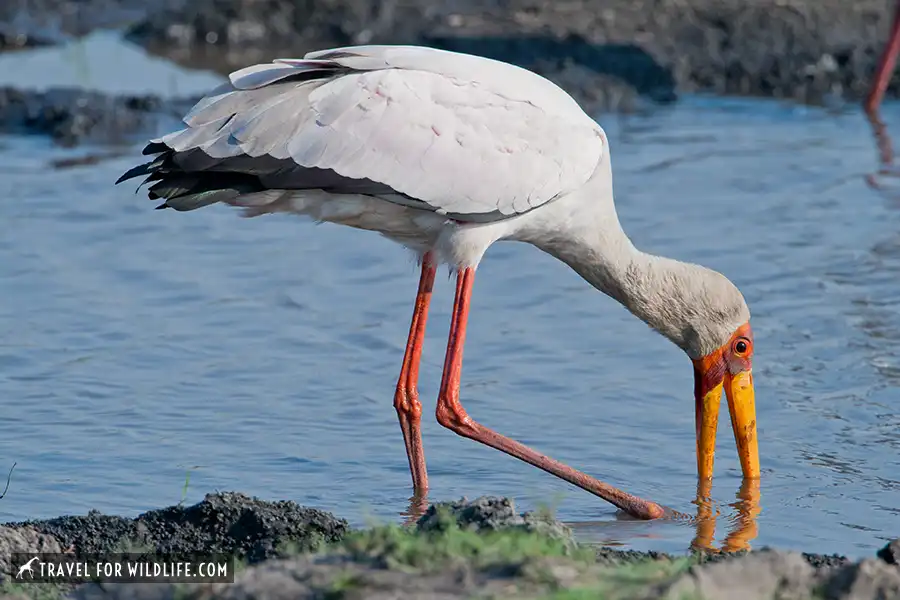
73 116
613 557
555 571
307 578
16 596
302 578
891 553
869 579
127 591
22 539
763 575
223 523
490 513
825 561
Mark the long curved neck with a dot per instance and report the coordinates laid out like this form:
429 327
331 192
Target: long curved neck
673 297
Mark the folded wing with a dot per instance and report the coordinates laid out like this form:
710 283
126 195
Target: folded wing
475 139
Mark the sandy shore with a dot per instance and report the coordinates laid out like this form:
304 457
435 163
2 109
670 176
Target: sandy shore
456 550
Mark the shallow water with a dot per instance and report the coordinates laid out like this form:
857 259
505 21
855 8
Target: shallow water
260 355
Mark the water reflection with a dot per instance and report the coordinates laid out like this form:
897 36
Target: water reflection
740 520
885 147
418 504
743 527
877 313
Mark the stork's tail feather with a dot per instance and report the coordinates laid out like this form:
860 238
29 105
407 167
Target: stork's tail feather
188 191
227 147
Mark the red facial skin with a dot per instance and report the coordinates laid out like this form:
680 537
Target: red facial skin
710 369
711 373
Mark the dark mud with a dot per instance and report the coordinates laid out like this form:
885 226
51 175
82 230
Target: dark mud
482 548
223 523
605 52
35 23
609 54
74 116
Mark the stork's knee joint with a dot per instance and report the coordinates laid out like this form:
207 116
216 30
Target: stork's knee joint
454 419
406 401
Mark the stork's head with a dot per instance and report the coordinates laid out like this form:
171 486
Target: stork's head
702 312
730 366
706 315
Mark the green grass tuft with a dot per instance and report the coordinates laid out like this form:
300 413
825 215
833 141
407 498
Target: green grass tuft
394 546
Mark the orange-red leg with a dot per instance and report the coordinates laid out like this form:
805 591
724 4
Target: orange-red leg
886 65
451 414
406 399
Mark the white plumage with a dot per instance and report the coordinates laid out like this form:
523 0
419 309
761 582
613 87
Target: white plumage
452 133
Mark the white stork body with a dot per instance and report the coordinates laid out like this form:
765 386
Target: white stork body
476 140
446 154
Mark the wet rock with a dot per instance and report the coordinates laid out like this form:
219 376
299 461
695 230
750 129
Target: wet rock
869 579
825 561
74 116
22 539
490 513
613 557
759 575
891 553
223 523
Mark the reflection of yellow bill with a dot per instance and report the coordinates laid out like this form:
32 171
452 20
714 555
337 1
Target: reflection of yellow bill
745 527
706 518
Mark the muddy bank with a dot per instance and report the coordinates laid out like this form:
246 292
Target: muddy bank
74 116
224 523
461 549
606 52
35 23
612 55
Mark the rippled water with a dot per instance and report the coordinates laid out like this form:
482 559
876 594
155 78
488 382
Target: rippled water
261 355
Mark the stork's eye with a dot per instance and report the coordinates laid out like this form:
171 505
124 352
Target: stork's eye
741 347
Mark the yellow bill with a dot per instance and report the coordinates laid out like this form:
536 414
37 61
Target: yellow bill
727 368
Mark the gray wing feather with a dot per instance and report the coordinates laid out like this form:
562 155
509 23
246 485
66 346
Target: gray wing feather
475 139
